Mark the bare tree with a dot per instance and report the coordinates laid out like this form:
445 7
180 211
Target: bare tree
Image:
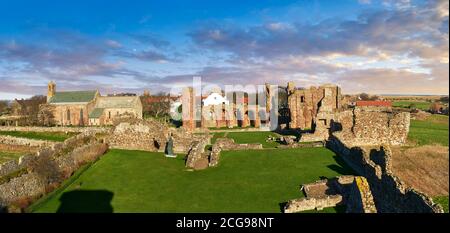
3 106
30 109
157 105
364 96
45 115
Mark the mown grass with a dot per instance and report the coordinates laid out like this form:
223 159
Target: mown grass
64 185
9 155
422 105
254 137
50 136
433 130
244 181
443 201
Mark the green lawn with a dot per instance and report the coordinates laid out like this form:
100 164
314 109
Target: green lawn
50 136
9 155
254 137
216 136
244 181
432 130
443 201
422 105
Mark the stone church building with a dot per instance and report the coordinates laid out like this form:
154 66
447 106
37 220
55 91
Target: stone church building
82 108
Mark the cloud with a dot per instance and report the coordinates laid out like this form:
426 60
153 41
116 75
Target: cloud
377 37
151 39
412 31
146 55
389 81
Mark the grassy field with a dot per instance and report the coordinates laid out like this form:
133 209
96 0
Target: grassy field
9 155
244 181
433 130
13 152
422 105
50 136
253 137
443 201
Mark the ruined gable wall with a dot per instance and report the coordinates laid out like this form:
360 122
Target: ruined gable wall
305 104
362 126
303 107
149 135
188 104
389 192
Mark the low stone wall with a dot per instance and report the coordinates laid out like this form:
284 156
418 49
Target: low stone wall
27 186
33 175
360 199
56 129
322 194
150 135
366 127
303 145
229 144
311 203
389 193
10 140
196 158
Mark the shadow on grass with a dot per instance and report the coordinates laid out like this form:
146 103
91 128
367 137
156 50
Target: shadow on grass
341 167
86 201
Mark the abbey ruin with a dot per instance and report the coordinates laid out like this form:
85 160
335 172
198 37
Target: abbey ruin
361 135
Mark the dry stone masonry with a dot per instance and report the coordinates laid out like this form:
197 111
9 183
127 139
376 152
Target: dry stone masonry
9 140
389 193
150 135
34 175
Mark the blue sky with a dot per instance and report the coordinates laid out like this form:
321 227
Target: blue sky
363 45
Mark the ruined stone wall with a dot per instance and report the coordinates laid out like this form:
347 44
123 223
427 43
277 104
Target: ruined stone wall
188 107
389 192
371 126
33 175
360 199
9 140
197 158
139 135
304 104
311 203
55 129
150 135
228 144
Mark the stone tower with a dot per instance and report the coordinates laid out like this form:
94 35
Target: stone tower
188 108
51 90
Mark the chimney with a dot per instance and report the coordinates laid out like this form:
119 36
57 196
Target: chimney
51 90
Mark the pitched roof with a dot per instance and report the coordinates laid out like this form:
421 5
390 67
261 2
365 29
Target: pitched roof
96 113
117 102
73 97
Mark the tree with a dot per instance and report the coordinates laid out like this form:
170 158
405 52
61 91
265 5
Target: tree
45 115
374 97
3 106
364 96
157 105
444 99
30 109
